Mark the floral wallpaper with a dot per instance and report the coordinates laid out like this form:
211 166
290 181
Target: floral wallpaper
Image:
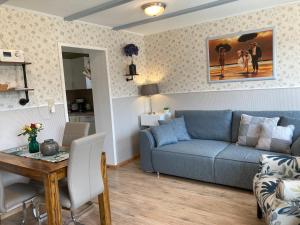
177 59
38 36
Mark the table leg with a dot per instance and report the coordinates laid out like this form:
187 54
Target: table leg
52 199
103 199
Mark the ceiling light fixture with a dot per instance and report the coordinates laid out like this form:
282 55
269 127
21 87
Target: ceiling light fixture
154 8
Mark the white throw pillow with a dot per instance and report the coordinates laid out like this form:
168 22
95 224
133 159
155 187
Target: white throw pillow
276 139
250 128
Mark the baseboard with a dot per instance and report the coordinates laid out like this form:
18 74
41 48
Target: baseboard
123 163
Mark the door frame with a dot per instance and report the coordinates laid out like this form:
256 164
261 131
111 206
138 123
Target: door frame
62 76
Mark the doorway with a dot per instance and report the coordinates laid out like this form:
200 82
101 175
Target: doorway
79 90
86 90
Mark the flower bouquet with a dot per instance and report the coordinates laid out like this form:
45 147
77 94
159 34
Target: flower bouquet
32 130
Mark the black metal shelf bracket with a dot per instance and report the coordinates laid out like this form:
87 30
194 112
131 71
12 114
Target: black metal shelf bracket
24 101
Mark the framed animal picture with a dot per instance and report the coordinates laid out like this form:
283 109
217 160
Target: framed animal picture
241 56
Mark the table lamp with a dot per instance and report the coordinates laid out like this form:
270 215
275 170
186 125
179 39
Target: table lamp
149 90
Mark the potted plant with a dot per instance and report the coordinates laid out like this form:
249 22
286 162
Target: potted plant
131 50
32 130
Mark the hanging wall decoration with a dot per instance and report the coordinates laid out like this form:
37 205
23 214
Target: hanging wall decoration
130 50
242 56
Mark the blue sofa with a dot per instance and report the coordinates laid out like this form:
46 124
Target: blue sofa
212 155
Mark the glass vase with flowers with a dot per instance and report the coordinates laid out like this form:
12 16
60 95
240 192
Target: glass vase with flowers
32 130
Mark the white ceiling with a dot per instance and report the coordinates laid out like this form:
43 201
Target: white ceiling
132 11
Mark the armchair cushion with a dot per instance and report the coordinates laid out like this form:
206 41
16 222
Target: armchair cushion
284 165
288 190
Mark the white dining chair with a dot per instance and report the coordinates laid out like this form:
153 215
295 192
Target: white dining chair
15 191
84 181
73 131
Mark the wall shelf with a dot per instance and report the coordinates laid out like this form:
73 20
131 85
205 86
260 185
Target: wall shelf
14 63
18 89
22 101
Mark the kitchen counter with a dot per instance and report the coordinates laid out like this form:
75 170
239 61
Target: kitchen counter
91 113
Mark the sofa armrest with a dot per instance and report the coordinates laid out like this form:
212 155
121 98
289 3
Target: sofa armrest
284 165
288 190
296 147
147 143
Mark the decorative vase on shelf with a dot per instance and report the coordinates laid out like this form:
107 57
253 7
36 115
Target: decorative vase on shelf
132 69
33 144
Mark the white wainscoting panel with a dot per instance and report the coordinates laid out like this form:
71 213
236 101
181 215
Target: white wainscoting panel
267 99
127 113
12 121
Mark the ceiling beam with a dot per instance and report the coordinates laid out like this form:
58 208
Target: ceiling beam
3 1
174 14
99 8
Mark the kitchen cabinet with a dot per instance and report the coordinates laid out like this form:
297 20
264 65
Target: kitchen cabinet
74 78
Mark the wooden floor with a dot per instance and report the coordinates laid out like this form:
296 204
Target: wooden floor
139 198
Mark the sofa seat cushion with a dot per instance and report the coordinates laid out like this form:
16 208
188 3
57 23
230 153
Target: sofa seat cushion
275 210
239 153
191 159
237 165
205 148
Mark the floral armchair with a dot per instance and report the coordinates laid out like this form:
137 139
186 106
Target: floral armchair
277 189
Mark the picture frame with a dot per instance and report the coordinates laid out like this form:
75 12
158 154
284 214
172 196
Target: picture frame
242 56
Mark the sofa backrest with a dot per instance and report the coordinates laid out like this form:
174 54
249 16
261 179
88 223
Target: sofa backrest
237 117
208 124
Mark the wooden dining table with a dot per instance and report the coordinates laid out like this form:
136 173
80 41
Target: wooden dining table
50 174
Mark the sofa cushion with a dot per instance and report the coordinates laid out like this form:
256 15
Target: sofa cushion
237 165
190 159
208 125
205 148
236 117
276 139
285 121
164 134
245 154
250 128
179 128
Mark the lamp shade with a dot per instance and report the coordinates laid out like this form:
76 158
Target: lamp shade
149 89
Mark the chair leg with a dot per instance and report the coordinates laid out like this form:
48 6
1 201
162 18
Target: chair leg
259 212
35 208
74 220
24 213
73 217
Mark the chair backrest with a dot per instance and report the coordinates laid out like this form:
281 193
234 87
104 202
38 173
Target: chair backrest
84 169
73 131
